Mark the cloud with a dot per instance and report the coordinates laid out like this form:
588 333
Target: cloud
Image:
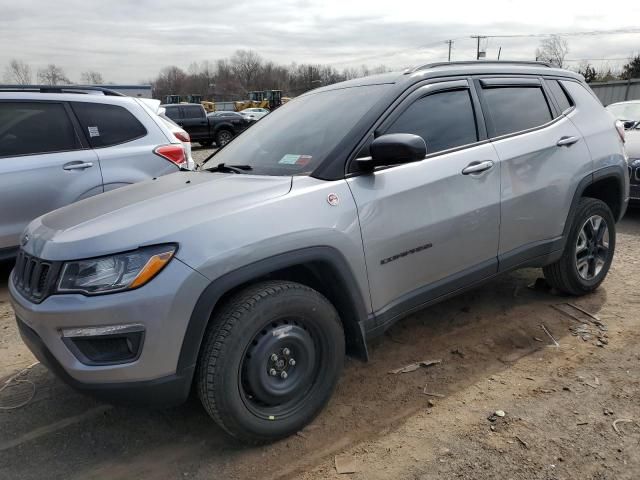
128 41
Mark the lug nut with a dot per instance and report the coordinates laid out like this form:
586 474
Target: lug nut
283 375
274 357
273 372
292 362
286 351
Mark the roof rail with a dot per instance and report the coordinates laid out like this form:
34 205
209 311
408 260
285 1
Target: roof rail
60 89
478 62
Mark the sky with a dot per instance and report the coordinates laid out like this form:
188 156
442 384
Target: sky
130 41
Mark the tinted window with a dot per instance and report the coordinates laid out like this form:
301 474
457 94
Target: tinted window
513 109
172 112
444 120
28 128
564 102
193 112
107 125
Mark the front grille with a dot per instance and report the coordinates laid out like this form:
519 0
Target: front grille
34 278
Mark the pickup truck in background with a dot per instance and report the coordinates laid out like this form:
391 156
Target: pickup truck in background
219 127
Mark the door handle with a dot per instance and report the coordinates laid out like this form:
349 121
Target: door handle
77 165
567 141
477 167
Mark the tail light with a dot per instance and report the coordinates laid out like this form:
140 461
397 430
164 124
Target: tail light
182 136
172 152
620 129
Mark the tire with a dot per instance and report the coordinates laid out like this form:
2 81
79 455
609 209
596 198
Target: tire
223 137
239 381
208 143
570 274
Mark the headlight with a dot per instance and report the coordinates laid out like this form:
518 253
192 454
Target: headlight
114 273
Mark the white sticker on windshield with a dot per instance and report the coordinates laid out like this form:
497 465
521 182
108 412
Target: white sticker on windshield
294 159
94 132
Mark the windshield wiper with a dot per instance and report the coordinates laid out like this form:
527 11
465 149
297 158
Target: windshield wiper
222 167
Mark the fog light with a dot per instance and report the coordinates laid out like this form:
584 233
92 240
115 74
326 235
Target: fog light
105 345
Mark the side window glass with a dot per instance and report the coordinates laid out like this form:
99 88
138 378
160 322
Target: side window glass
173 113
513 109
564 102
107 125
193 112
31 128
443 119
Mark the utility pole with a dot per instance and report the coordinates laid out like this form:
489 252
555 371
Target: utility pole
499 52
450 42
478 37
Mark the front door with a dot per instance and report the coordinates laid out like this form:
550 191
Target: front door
431 226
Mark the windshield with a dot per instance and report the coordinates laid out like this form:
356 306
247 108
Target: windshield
297 137
625 111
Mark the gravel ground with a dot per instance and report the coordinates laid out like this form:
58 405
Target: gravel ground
200 153
560 402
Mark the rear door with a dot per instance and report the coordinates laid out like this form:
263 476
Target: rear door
431 226
542 157
44 164
124 142
194 121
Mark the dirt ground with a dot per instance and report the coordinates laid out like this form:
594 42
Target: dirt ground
560 403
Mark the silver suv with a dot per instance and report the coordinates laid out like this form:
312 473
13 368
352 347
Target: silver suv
319 227
62 144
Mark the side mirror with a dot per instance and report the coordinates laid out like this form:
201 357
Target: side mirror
393 149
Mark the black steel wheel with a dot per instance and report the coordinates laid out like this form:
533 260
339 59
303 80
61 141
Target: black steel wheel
270 361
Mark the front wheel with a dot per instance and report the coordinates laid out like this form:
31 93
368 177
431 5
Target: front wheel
223 137
589 250
271 360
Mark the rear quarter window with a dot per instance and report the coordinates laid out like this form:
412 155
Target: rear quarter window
35 128
107 125
563 100
193 112
513 109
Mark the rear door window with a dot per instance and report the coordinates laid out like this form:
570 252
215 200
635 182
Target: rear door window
516 108
443 119
193 112
173 113
107 125
39 127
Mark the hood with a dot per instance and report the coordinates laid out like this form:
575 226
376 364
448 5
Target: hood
147 213
632 143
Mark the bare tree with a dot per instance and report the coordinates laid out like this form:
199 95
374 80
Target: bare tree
91 77
52 75
246 65
553 50
18 72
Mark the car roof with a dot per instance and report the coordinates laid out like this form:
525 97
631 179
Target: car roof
450 69
165 105
66 97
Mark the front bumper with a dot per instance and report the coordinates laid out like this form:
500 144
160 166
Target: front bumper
163 307
164 391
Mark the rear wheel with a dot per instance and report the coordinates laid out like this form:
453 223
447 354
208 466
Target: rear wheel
271 361
589 250
223 137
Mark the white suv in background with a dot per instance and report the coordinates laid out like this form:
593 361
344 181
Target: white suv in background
62 144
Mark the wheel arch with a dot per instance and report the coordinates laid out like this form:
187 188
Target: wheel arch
321 268
606 184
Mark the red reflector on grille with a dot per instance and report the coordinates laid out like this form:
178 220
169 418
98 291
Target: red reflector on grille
173 152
